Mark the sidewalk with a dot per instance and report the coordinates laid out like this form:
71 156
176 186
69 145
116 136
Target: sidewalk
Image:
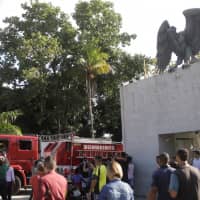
20 197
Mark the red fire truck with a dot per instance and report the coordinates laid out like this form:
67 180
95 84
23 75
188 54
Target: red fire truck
21 152
68 150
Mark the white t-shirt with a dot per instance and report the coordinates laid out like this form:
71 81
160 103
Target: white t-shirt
196 163
10 176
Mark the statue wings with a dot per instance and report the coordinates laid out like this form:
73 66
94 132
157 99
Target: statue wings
185 44
163 48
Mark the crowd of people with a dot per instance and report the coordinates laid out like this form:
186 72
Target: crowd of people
176 179
113 178
94 180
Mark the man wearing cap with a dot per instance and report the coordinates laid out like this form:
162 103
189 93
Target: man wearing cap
196 160
161 180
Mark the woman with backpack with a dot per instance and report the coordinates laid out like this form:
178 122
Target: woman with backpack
3 171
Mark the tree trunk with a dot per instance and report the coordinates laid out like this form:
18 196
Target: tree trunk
91 117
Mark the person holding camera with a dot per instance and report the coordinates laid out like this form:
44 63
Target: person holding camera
85 172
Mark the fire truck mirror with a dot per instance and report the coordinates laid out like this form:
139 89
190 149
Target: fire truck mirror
3 145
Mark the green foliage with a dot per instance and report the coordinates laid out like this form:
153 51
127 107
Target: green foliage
9 117
94 60
45 63
10 129
97 19
38 51
31 73
95 65
6 118
43 43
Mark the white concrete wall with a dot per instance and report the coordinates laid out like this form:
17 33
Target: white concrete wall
167 103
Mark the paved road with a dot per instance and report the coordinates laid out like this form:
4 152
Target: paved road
23 195
20 197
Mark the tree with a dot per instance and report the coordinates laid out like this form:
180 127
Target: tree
94 63
6 120
48 68
41 45
97 19
98 34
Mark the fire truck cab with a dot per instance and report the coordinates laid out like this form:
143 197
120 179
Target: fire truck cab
21 152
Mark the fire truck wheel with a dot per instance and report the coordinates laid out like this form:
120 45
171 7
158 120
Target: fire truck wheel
17 185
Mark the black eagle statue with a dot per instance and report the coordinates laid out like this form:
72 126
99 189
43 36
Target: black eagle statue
185 44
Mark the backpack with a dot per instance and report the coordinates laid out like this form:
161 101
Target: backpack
3 171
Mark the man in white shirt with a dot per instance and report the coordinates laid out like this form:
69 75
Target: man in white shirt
196 160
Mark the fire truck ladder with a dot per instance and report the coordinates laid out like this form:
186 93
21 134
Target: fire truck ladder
56 137
53 152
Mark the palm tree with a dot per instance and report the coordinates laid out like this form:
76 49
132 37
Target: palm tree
94 64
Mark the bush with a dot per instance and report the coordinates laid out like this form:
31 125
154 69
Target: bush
6 128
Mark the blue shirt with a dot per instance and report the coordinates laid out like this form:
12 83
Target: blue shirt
161 180
116 190
174 183
76 178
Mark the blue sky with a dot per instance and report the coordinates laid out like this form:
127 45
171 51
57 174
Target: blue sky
142 17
